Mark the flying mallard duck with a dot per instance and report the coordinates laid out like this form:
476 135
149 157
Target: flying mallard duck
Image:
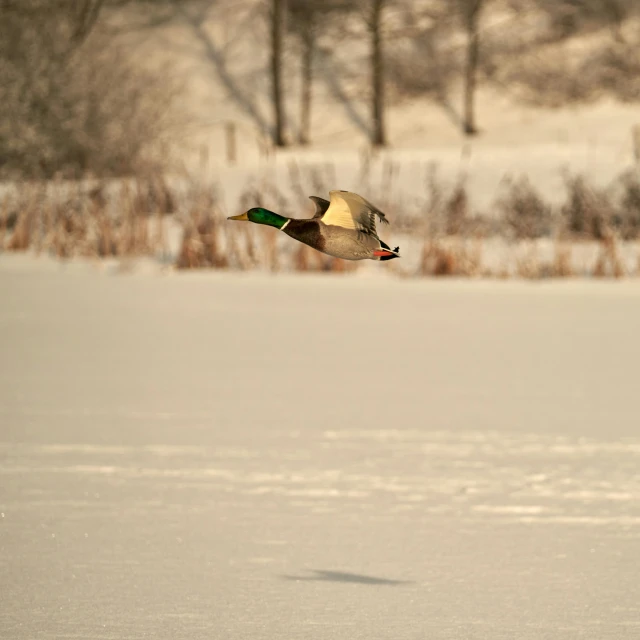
344 227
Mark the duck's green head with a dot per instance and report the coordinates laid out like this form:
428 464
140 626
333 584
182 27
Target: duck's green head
261 216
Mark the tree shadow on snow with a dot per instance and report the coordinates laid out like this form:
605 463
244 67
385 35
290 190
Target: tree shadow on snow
332 79
451 111
342 576
216 56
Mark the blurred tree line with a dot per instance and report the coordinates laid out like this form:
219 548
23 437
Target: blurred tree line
71 100
74 98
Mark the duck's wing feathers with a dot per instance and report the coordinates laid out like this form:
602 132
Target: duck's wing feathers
321 206
351 211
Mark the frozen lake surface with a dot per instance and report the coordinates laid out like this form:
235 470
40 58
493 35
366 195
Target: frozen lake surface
250 456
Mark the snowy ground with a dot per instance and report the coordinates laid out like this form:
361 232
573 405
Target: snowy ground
246 456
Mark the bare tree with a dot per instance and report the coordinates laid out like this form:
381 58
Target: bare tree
374 25
617 11
539 72
304 19
471 15
308 19
421 60
86 13
571 17
308 40
198 16
277 38
73 100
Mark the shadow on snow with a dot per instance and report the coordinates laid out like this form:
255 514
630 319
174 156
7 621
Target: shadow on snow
342 576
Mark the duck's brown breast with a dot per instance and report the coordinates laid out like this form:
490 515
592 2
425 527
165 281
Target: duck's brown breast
307 232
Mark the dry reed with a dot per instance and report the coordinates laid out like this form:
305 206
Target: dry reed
450 257
562 263
78 219
138 217
609 262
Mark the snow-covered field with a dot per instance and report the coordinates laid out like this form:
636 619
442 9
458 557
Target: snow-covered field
247 456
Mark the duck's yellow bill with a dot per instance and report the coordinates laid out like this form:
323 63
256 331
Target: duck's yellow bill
242 216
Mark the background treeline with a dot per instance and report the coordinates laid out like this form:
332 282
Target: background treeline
78 97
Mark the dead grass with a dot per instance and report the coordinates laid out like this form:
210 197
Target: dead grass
627 216
139 217
528 262
451 257
78 219
587 212
523 211
609 262
562 262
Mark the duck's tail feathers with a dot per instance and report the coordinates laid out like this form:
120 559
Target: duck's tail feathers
387 253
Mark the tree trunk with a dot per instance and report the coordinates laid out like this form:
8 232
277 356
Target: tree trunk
379 137
277 36
471 70
307 79
617 16
86 15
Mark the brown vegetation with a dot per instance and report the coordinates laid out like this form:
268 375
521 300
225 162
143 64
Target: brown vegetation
451 257
69 219
139 217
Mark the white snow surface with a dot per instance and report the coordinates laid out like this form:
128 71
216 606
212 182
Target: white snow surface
242 456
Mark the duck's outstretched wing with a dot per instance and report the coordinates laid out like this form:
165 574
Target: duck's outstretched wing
321 206
351 211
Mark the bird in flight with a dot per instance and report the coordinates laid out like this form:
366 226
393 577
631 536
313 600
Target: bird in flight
343 227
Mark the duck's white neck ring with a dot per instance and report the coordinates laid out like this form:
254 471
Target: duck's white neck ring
283 227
